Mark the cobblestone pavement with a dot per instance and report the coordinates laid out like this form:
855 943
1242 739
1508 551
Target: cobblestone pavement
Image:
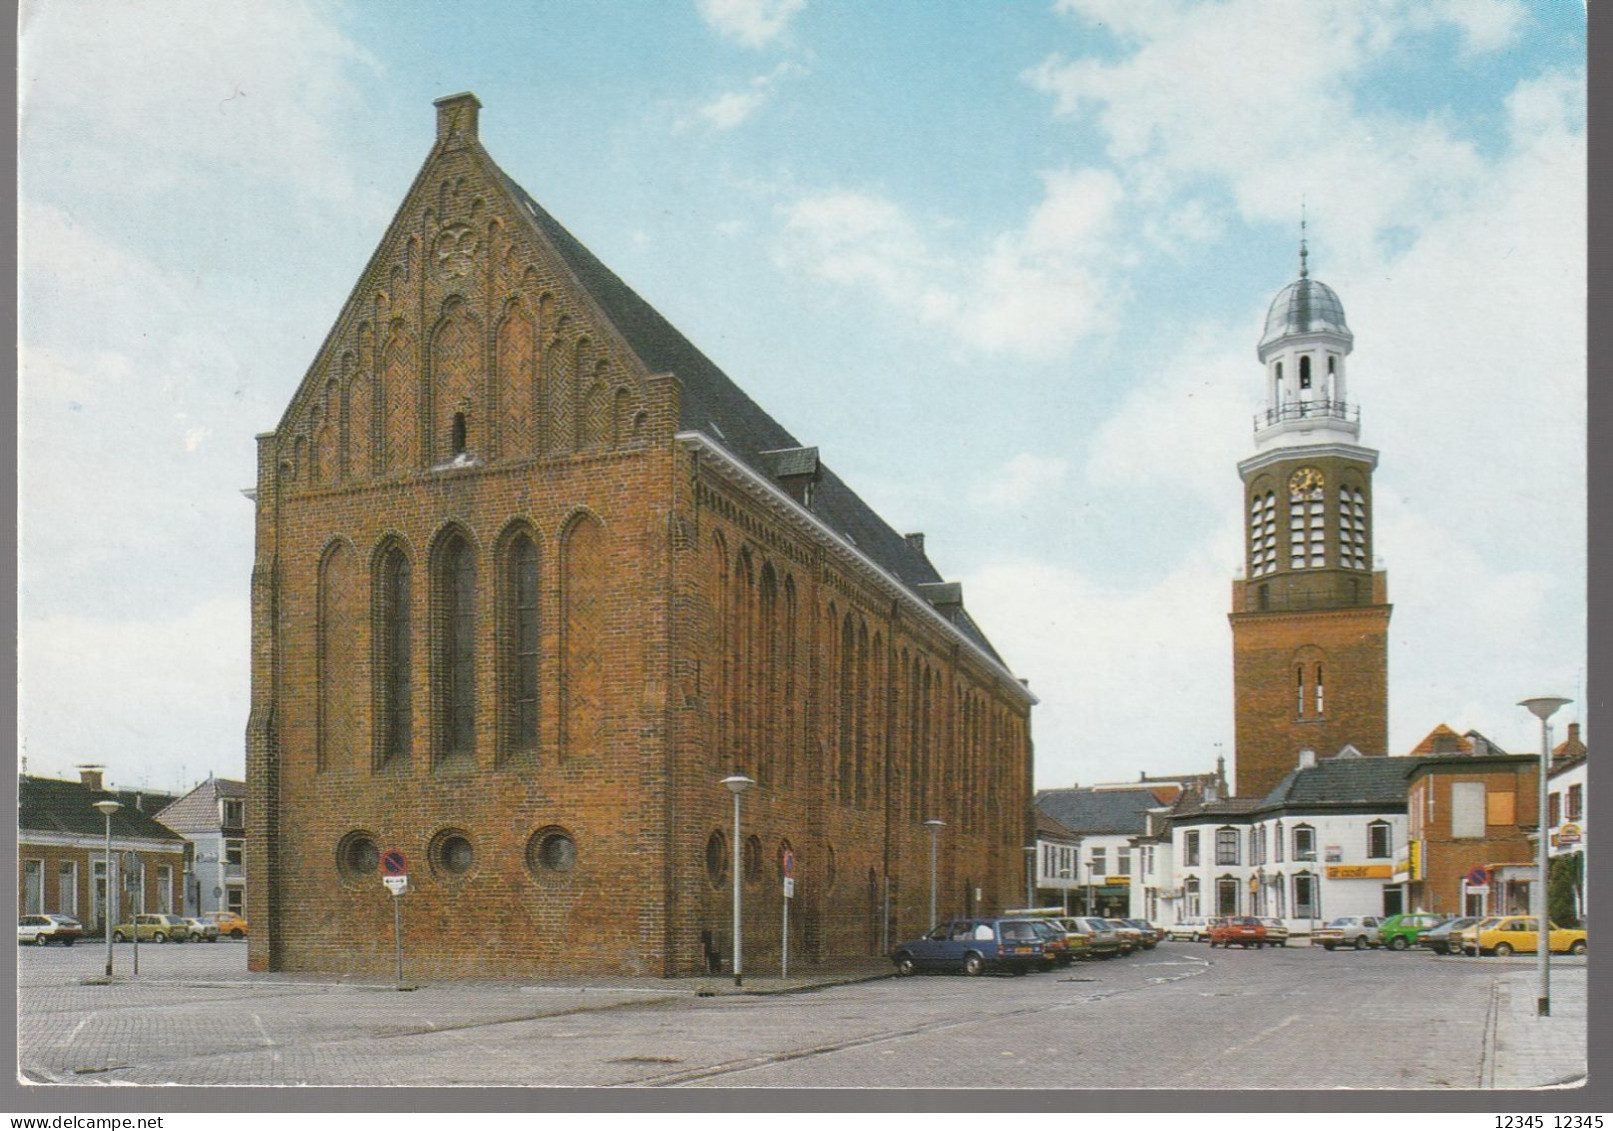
1181 1016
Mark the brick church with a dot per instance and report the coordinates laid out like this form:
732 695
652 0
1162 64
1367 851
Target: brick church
1310 616
532 576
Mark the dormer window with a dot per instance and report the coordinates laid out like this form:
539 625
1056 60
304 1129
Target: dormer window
234 810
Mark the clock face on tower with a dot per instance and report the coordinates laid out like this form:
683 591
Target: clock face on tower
1305 480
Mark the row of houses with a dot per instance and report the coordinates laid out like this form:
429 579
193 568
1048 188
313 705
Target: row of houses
1448 828
163 853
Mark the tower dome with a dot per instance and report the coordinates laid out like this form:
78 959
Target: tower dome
1305 306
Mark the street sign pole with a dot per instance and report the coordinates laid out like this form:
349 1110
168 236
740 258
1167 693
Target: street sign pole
397 931
789 892
395 875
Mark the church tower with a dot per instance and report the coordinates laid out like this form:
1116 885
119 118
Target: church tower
1310 617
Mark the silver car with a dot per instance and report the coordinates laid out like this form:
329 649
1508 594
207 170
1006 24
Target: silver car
1359 931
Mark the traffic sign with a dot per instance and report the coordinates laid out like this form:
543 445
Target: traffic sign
789 864
394 863
789 887
397 885
1477 878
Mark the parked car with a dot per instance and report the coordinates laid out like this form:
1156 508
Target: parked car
1358 931
1076 938
1151 934
42 930
1467 939
1276 932
1103 941
202 930
973 946
1446 937
153 928
1521 935
1400 931
1185 930
1210 923
1131 939
1244 930
229 923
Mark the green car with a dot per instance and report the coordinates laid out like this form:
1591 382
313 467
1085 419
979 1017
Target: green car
1400 931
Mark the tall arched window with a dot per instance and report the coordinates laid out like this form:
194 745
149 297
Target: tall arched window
1299 690
395 708
456 642
1305 372
1320 702
522 639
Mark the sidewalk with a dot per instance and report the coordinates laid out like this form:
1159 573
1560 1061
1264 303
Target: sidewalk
1522 1050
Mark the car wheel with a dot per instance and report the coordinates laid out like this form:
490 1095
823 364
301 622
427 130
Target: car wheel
41 940
117 936
1503 950
237 934
1578 947
904 966
973 964
1398 943
1360 942
158 936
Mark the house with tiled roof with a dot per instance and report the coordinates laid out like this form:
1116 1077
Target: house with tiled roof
213 818
62 849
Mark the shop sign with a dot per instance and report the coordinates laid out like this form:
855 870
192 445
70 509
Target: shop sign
1361 872
1568 834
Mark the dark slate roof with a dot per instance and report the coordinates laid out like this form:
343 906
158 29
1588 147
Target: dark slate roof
198 810
49 805
1227 808
715 406
1047 826
1092 811
1344 781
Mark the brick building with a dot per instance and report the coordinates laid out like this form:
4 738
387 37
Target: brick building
1470 816
1310 616
533 575
61 849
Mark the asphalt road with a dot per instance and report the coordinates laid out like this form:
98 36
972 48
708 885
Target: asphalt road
1182 1016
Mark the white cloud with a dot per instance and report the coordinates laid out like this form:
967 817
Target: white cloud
736 107
159 96
1020 480
1032 292
753 23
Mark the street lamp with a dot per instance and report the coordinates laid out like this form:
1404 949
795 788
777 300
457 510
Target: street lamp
737 784
107 808
1030 875
1542 708
934 824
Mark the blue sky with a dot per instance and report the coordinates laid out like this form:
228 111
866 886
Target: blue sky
1005 263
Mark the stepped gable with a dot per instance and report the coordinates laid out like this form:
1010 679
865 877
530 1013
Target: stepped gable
715 406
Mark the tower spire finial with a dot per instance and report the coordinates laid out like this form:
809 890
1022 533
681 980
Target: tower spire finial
1304 254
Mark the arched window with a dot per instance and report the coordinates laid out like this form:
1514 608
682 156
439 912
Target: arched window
522 640
1305 372
1299 690
394 709
1320 702
1378 841
1277 842
1226 845
1304 842
456 635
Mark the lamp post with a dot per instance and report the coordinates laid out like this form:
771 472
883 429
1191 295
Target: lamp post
1543 707
737 784
934 824
1030 876
107 808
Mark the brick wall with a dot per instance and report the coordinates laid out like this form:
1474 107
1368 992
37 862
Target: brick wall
85 858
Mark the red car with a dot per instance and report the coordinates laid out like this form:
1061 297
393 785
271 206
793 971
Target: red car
1245 930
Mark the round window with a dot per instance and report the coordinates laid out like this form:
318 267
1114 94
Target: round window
716 858
551 850
452 854
357 855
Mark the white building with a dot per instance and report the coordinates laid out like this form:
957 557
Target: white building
1321 844
1566 814
213 818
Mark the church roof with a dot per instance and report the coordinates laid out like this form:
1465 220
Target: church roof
717 407
1305 306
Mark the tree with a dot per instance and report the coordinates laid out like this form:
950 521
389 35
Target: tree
1564 875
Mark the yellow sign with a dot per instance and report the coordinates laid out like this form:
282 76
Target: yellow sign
1360 871
1416 848
1117 879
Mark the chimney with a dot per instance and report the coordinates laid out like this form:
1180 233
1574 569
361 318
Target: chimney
1212 791
90 777
915 540
456 115
1307 758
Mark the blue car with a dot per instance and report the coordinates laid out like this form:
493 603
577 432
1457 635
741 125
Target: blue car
973 945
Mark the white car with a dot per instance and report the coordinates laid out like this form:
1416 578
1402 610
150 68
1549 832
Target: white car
42 930
1190 929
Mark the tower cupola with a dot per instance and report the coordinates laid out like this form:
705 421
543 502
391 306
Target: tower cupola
1303 350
